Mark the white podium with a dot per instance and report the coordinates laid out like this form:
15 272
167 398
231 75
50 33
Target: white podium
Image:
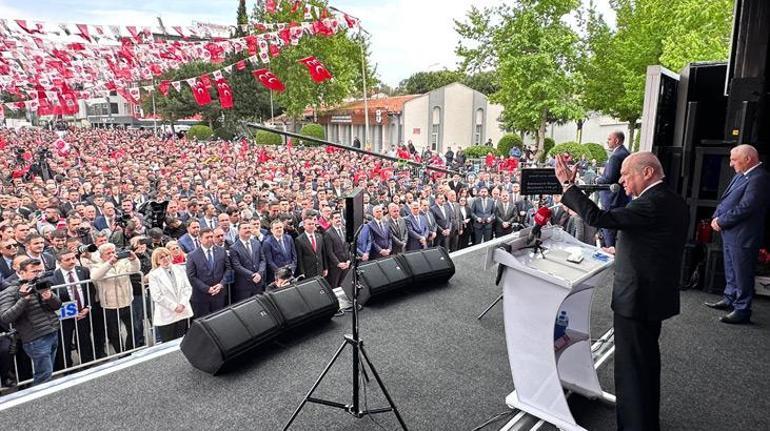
535 289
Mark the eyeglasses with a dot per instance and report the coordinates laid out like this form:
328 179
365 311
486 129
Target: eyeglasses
10 246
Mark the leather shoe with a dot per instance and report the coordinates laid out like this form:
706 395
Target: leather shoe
722 304
735 318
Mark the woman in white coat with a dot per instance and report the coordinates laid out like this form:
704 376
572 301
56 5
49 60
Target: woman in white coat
170 290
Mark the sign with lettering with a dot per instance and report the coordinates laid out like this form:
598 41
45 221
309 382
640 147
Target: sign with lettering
68 310
341 119
540 181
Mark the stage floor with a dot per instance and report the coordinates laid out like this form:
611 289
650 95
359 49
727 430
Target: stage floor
445 370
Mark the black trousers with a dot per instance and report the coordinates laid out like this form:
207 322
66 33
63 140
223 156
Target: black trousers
637 374
202 308
69 343
172 331
482 233
113 317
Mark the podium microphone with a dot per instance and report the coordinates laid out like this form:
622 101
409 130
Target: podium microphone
590 188
542 216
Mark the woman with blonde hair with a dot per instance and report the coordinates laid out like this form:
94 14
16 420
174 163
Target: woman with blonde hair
177 254
170 290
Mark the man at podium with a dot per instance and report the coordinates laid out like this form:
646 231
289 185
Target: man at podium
648 257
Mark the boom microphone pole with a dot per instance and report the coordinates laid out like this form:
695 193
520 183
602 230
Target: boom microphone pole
351 148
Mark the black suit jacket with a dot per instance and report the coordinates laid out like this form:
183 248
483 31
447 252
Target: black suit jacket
648 253
202 277
88 289
309 262
337 250
5 270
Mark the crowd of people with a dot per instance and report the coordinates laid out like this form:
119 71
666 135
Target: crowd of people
237 220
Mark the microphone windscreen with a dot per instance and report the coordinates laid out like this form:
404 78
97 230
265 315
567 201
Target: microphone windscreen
542 216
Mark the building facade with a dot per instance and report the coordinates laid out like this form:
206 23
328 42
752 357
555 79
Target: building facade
451 116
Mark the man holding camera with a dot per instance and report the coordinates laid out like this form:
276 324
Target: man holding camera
31 307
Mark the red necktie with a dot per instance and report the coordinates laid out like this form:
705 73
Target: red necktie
312 241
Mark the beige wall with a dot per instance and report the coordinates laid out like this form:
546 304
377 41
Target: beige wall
458 117
493 127
416 117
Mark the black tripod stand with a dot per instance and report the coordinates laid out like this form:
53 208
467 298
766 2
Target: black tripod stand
357 344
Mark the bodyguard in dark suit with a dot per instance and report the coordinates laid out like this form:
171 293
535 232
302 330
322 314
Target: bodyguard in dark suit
456 218
648 259
399 233
740 217
248 261
382 246
417 226
482 213
206 268
505 215
337 252
76 332
611 175
442 213
8 249
191 240
310 250
425 206
279 250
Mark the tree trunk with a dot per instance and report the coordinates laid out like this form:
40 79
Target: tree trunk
541 135
580 131
631 130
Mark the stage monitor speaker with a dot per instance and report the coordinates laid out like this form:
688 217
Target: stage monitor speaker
222 337
354 213
428 265
308 301
377 278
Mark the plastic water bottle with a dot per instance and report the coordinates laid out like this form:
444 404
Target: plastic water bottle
562 321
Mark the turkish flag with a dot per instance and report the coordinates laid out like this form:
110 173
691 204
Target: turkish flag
318 71
201 94
270 6
205 80
163 86
225 93
268 79
251 44
240 65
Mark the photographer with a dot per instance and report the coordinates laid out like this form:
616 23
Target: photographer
115 292
283 278
31 308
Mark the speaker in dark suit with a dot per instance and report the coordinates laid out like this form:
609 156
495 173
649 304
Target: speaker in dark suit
337 252
248 261
740 217
206 268
279 251
76 332
382 245
652 231
611 175
311 254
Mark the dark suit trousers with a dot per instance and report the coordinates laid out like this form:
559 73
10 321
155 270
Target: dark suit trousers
335 276
241 294
482 233
739 276
204 308
637 374
80 342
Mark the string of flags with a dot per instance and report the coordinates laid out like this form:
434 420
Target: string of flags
51 75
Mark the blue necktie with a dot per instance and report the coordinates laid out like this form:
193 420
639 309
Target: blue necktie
211 259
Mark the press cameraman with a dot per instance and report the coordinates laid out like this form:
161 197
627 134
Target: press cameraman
31 307
283 278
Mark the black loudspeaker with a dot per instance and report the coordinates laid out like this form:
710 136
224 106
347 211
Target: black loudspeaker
308 301
378 277
429 265
220 338
354 213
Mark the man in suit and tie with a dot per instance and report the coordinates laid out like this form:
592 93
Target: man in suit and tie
611 175
337 251
35 246
279 250
107 219
209 218
740 218
191 240
417 226
206 268
399 233
482 213
379 230
442 213
648 260
456 218
8 249
311 255
76 332
248 262
425 206
505 215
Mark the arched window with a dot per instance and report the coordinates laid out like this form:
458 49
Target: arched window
478 127
435 126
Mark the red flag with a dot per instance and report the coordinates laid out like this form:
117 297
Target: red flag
84 31
268 79
163 86
270 6
251 44
205 80
240 65
317 70
201 94
225 93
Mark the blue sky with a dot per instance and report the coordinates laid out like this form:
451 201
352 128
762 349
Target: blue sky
408 36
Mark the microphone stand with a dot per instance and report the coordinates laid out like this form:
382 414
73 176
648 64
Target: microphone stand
359 353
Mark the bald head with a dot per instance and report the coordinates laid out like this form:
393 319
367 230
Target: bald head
645 160
743 157
639 171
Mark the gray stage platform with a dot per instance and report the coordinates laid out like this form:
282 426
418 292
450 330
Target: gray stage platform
445 370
